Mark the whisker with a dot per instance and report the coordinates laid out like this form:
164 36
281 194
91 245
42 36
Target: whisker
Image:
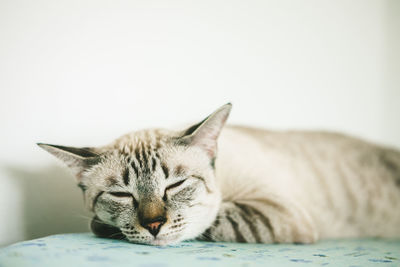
115 234
83 216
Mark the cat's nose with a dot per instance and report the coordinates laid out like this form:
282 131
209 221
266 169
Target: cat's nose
154 225
152 214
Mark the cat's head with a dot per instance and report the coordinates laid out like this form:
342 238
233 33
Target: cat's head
155 186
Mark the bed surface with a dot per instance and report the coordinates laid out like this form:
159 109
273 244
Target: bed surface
84 249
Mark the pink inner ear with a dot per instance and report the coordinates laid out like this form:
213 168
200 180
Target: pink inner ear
211 149
207 143
206 135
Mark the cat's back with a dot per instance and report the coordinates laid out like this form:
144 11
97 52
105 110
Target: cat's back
309 145
301 145
338 178
292 139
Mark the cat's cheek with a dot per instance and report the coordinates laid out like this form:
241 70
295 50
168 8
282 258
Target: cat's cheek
103 216
202 216
124 217
116 214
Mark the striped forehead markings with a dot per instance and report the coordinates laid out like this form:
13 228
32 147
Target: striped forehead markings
153 164
125 176
144 160
165 170
137 156
135 168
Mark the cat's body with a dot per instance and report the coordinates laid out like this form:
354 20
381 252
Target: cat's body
160 186
340 186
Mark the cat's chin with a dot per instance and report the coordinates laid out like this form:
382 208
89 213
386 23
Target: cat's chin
159 241
164 242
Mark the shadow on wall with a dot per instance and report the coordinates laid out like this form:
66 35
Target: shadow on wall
391 95
51 202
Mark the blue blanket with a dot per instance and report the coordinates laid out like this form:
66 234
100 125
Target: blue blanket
74 250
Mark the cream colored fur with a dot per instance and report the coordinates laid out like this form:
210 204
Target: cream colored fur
338 185
239 184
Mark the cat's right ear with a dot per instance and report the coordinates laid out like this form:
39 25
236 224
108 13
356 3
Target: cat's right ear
77 159
205 133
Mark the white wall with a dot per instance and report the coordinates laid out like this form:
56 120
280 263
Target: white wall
84 72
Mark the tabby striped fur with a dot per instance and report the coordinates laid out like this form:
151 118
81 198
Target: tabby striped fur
261 186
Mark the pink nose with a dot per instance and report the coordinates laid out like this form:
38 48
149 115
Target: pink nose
154 225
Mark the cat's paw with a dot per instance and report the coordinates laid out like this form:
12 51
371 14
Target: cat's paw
101 229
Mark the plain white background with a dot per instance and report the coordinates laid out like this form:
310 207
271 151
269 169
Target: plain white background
84 72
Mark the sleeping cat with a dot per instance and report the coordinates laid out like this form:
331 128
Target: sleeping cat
161 186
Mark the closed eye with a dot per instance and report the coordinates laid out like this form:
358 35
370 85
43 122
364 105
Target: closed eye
120 194
124 195
175 185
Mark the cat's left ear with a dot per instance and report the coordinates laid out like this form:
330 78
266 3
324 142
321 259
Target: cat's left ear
205 133
77 159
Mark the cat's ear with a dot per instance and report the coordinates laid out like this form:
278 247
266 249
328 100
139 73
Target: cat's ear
205 133
77 159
